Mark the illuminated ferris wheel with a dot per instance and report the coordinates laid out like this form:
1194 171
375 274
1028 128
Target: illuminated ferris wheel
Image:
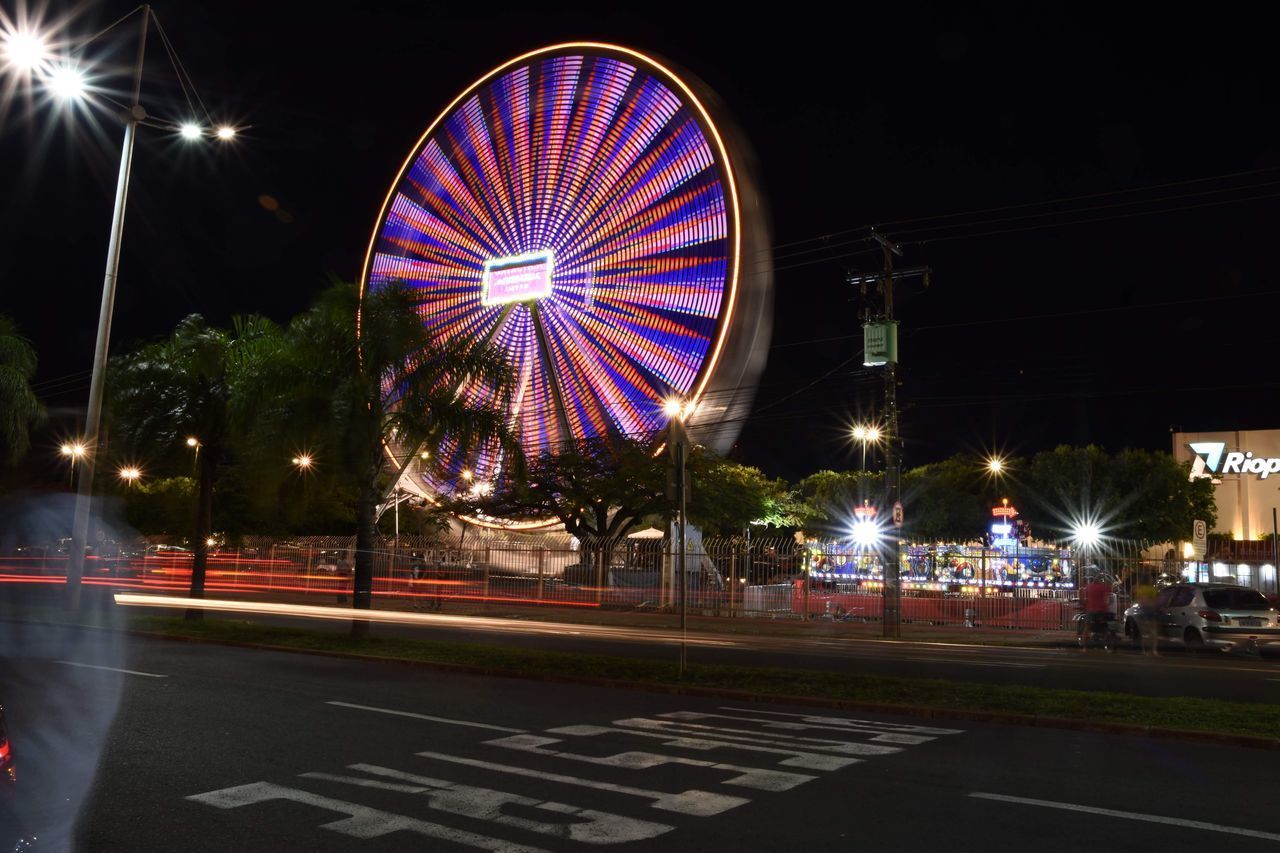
580 209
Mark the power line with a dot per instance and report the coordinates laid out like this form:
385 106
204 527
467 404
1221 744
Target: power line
1025 205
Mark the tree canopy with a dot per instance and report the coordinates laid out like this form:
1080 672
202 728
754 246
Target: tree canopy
20 410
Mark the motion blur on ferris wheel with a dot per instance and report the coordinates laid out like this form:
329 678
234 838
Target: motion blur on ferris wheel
590 212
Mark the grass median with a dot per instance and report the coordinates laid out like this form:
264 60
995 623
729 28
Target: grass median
1178 713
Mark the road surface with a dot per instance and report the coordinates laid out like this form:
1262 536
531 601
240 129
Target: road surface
156 745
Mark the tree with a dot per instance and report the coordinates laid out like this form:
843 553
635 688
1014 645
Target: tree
599 489
20 411
179 402
1135 495
725 496
359 375
830 496
950 500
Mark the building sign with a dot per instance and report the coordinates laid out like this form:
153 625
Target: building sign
518 278
879 344
1210 454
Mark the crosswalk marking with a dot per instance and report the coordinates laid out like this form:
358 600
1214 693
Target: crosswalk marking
845 722
797 741
693 802
361 821
592 826
878 735
796 757
746 777
748 736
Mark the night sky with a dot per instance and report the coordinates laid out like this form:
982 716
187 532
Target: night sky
1158 311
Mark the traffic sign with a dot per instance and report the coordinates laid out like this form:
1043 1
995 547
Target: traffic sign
1199 538
897 514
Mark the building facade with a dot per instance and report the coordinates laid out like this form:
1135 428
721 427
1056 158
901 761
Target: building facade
1244 466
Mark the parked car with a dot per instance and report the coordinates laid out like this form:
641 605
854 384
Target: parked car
1210 615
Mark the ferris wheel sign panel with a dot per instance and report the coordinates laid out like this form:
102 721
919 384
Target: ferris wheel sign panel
517 279
577 209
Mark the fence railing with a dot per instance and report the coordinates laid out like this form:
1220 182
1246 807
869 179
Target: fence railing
766 578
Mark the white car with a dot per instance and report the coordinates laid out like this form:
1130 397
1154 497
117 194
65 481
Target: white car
1209 615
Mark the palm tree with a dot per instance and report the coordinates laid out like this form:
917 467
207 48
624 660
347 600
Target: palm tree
20 411
186 396
362 372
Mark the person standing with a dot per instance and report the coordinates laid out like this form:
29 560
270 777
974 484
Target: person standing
1148 619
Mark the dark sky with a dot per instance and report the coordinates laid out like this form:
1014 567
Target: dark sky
1033 332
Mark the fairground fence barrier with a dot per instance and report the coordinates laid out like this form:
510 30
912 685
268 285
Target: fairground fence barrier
730 577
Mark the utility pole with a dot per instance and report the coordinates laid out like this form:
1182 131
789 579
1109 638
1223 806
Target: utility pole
880 344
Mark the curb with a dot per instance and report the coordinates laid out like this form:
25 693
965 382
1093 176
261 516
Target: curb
925 711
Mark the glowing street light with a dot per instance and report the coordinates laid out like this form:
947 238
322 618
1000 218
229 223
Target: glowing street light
67 83
74 450
190 130
303 461
129 474
225 132
467 474
995 465
192 441
1086 534
865 533
25 50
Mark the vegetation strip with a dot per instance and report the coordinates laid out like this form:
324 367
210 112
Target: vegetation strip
1245 724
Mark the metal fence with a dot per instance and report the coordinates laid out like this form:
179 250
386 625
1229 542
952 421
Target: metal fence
732 577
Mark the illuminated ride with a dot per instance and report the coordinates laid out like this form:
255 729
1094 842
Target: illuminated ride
585 209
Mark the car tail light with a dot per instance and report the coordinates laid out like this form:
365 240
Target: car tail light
1210 615
6 765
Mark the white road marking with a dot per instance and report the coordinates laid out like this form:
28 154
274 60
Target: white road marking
748 736
839 721
797 758
878 735
594 827
111 669
1149 818
361 821
427 717
748 777
958 661
693 802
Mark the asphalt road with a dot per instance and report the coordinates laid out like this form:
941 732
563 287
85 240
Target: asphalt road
199 747
1213 674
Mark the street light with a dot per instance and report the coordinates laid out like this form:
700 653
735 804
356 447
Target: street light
995 465
25 50
28 51
129 474
67 83
865 533
73 451
190 130
679 412
1084 535
864 434
303 461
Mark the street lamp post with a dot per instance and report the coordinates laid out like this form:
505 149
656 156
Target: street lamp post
28 52
679 441
93 417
